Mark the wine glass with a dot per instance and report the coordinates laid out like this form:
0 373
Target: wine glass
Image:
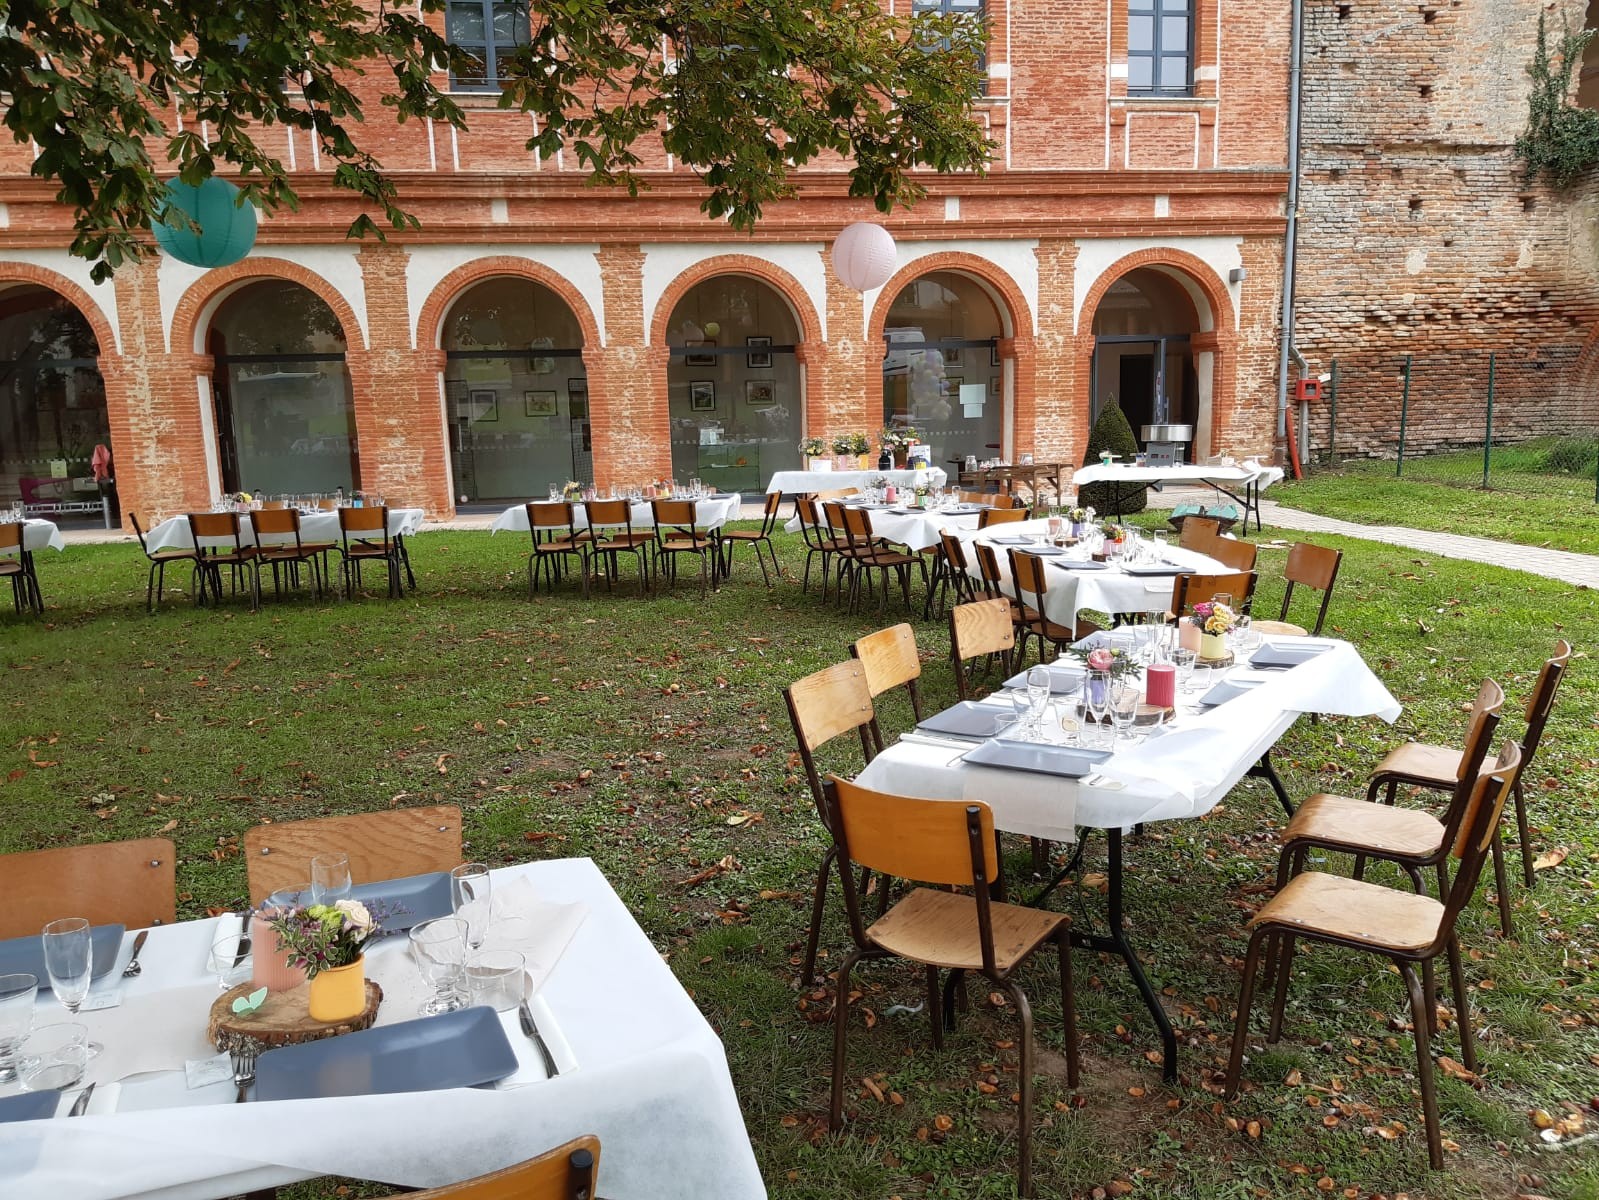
1096 687
330 878
69 961
439 949
1038 684
470 895
1183 659
17 995
1123 709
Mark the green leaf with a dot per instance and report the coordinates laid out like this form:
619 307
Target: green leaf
248 1004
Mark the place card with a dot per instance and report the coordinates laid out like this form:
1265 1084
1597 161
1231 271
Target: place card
202 1072
97 999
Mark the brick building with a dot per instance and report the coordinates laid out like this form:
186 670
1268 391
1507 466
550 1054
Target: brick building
1128 241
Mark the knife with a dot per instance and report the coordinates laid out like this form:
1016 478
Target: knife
532 1031
81 1104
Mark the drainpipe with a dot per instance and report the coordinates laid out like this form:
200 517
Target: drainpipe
1290 236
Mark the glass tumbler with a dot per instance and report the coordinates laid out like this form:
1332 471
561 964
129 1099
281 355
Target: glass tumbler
17 995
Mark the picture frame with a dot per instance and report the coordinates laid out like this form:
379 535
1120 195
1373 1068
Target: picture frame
577 396
996 386
702 395
758 356
952 356
993 355
954 384
699 360
760 393
541 403
484 405
542 365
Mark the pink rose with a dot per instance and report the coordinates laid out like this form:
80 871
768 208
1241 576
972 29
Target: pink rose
1100 659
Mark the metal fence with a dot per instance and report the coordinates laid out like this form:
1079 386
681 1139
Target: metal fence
1504 419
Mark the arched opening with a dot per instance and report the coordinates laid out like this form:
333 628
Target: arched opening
52 399
284 421
735 391
515 391
1143 328
942 372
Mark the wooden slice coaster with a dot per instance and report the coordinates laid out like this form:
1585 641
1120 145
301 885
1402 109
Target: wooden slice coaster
282 1020
1225 660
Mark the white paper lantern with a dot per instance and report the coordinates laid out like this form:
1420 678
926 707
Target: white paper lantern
863 256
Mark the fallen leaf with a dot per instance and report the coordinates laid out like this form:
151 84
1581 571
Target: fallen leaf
1553 858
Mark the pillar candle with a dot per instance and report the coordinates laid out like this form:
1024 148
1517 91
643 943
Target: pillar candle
1161 686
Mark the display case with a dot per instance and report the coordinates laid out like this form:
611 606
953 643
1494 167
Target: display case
730 466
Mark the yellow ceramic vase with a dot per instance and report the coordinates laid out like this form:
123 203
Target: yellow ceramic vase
1212 646
339 993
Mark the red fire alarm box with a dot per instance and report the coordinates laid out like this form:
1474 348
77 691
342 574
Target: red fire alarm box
1307 389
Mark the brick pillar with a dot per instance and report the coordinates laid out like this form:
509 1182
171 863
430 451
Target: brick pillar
849 396
628 416
398 421
1060 402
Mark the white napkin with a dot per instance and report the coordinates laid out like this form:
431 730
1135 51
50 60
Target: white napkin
103 1101
537 929
530 1064
157 1031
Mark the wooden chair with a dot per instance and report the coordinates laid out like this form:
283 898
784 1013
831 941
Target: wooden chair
286 556
822 706
226 548
1031 583
611 534
950 572
16 563
868 555
981 628
1189 590
677 532
551 524
381 845
108 883
1004 502
947 845
756 538
158 565
565 1173
835 494
1309 566
1409 930
818 538
1233 553
891 660
364 537
1197 533
1000 516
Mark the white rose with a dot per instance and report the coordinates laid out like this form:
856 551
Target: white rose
357 917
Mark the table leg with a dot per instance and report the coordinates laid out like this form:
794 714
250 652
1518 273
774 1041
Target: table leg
1264 770
405 557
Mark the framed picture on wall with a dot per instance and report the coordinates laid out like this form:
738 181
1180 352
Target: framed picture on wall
953 384
699 360
995 384
759 355
577 395
540 404
485 406
952 356
760 393
541 364
993 355
702 396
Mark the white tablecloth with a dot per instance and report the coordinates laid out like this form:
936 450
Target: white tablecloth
1249 473
1184 771
795 482
173 533
914 530
40 535
650 1079
712 513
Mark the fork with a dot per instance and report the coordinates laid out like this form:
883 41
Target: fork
243 1070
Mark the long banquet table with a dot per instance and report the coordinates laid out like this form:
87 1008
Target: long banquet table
321 526
795 483
1179 773
645 1072
712 512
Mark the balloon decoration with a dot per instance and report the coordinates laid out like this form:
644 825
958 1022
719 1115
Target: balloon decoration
864 256
712 328
227 228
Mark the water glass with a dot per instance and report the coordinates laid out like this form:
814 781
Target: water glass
69 960
230 957
496 978
1225 598
330 878
555 493
470 889
1183 659
1124 700
1038 683
1245 639
1097 687
439 950
17 994
54 1057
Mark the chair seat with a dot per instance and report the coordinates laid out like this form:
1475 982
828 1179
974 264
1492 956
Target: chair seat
941 928
233 556
1416 762
626 541
369 550
745 535
564 546
10 566
687 545
304 550
169 555
1335 821
1280 628
1355 911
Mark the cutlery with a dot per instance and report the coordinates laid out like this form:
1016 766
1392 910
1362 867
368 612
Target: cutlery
81 1104
133 968
243 1071
952 741
532 1031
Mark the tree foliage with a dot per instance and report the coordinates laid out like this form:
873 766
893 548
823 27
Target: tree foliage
1561 140
742 93
1111 432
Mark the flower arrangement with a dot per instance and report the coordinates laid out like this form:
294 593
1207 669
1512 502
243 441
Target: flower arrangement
1114 532
859 444
243 498
815 447
892 438
573 490
1107 658
1079 515
320 937
1213 618
841 444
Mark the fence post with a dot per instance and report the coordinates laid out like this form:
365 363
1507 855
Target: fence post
1404 416
1488 425
1332 413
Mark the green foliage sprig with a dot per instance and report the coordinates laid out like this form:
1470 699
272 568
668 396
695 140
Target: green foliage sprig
1561 141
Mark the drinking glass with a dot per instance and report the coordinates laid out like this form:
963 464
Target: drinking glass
1097 688
1038 682
1245 638
1162 544
1183 658
1123 709
330 878
17 994
1223 598
555 492
470 896
69 961
55 1057
231 958
439 949
1073 714
496 978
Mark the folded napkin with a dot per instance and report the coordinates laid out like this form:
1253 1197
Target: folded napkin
101 1103
530 1063
156 1031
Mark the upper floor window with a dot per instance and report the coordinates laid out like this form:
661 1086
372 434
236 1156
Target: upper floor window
1160 47
489 31
970 9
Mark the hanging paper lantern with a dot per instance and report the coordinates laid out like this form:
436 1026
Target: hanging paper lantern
227 228
712 328
863 256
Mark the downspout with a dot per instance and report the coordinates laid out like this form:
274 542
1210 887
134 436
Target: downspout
1291 233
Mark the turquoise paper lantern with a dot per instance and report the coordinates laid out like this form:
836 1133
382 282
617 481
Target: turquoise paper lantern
227 228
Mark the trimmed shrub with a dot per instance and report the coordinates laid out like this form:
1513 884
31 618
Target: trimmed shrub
1111 432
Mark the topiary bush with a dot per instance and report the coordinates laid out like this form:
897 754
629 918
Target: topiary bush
1111 432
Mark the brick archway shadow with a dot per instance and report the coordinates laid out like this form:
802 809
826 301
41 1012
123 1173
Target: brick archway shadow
786 286
454 285
186 325
105 336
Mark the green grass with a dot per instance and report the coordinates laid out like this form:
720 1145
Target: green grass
631 731
1530 501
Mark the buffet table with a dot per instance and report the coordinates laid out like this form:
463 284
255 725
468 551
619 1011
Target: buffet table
1126 481
796 483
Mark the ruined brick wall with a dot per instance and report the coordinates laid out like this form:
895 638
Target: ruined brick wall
1419 237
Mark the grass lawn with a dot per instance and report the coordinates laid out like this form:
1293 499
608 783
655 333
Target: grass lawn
651 736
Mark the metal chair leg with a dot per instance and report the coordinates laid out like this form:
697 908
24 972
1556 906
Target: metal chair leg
1429 1098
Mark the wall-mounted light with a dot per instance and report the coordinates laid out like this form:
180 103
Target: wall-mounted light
1238 275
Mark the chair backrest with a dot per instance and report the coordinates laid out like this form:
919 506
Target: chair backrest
108 883
276 522
988 569
1027 577
269 505
1313 567
608 512
679 515
381 845
1486 711
954 551
1189 590
1232 553
1473 834
1004 501
814 533
833 513
977 628
214 527
774 501
549 514
364 522
11 536
133 519
1000 516
1542 701
565 1173
1198 532
891 661
837 494
327 504
824 705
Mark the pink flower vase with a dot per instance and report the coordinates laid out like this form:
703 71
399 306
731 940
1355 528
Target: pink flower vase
271 959
1188 635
